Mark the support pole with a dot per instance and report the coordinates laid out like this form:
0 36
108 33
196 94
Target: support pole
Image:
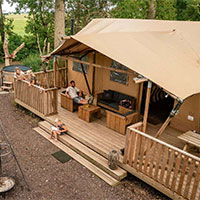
93 75
54 71
140 97
85 77
146 112
174 112
84 74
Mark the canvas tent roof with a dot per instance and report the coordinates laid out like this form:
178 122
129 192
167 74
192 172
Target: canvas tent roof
165 52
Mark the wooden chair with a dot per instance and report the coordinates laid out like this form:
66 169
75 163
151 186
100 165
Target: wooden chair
119 121
68 103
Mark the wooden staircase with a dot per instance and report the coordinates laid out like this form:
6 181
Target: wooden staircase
7 85
84 155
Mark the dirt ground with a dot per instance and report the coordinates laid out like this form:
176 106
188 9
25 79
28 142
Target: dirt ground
48 178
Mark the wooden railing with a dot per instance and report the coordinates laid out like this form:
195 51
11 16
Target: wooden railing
172 168
46 80
38 100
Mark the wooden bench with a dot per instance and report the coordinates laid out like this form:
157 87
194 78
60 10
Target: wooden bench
192 138
119 121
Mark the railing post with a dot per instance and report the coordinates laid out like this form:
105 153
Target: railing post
55 71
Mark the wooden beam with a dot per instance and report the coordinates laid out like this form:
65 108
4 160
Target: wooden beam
139 80
99 66
93 75
146 112
66 72
66 37
55 71
163 127
139 102
171 115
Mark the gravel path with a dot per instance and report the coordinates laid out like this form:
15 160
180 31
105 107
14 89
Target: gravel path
48 178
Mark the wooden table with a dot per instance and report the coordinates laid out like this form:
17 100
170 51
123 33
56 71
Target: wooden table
190 137
85 112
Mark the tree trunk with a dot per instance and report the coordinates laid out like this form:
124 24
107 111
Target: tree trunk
152 10
1 21
59 22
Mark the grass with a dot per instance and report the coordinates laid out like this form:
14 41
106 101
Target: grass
19 23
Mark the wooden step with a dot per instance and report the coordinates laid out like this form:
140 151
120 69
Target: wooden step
6 88
97 171
7 83
87 153
83 132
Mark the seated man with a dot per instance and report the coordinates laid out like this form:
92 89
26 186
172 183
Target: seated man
75 94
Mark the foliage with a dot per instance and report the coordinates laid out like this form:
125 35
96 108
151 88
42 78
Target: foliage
83 11
34 61
165 9
130 9
188 10
40 19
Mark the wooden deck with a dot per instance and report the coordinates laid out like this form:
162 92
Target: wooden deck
90 144
102 139
95 134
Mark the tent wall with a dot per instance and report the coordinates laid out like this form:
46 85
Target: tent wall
102 78
78 76
103 82
190 108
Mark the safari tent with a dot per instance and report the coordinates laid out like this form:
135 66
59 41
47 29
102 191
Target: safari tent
154 64
165 52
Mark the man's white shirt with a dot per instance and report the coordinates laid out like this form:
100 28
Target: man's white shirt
72 91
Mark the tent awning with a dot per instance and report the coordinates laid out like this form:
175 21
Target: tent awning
165 52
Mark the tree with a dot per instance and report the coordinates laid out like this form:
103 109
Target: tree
40 20
166 9
144 9
188 10
1 21
83 11
151 13
59 21
130 9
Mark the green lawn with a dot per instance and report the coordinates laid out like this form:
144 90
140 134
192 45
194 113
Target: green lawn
19 23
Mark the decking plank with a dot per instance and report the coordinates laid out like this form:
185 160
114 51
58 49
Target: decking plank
87 153
100 173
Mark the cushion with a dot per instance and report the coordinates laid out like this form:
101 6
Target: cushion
110 104
107 96
116 96
124 97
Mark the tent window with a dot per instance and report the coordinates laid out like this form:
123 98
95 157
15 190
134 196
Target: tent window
77 66
118 76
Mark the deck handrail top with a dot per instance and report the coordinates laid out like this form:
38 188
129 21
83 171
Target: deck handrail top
164 143
41 88
50 70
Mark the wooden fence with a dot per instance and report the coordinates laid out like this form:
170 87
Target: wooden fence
174 169
38 100
46 80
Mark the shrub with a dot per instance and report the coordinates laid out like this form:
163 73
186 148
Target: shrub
34 61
